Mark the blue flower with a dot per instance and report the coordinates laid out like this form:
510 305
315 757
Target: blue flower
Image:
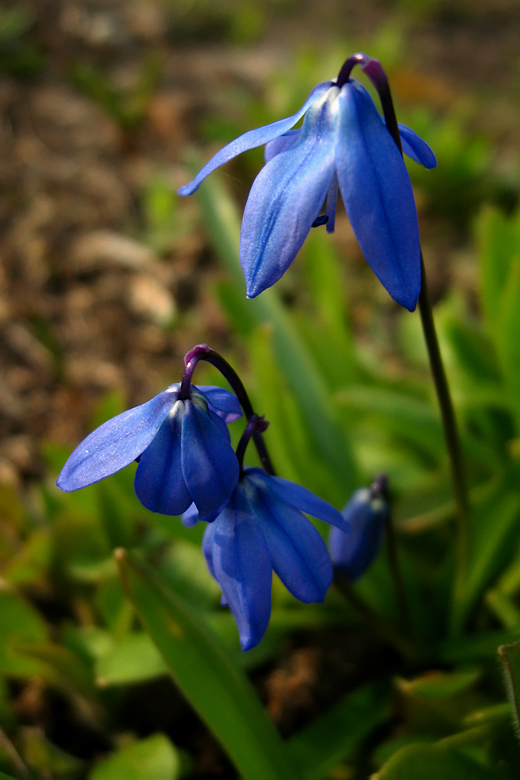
182 445
261 529
343 142
353 553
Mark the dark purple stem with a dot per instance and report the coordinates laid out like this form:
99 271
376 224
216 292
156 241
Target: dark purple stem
203 352
255 427
379 79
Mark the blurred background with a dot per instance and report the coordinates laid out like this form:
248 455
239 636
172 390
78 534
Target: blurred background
106 275
107 278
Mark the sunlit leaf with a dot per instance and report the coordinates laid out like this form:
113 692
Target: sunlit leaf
133 659
153 758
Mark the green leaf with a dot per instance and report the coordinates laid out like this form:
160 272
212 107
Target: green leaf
503 608
510 658
337 735
496 244
46 758
508 346
431 762
475 647
134 659
153 758
19 624
201 667
493 532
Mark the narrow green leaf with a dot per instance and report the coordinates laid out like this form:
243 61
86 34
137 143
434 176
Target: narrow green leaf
496 245
493 532
201 667
153 758
338 734
20 624
510 658
431 762
303 376
503 608
475 647
508 343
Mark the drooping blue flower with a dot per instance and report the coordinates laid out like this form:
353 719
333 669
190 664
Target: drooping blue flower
343 142
261 529
353 553
183 447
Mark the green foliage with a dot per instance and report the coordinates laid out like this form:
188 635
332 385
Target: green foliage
344 381
153 758
203 670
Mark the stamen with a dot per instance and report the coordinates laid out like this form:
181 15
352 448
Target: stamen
321 220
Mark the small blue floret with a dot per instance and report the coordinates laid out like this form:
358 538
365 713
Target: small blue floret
183 447
262 529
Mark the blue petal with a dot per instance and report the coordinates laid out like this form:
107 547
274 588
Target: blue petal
209 464
116 443
354 552
286 198
299 497
280 144
251 139
190 517
378 196
159 482
223 402
417 149
238 558
298 553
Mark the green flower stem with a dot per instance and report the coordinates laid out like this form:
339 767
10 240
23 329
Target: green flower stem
452 441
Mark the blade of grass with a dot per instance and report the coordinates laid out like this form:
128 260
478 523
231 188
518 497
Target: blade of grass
218 690
294 359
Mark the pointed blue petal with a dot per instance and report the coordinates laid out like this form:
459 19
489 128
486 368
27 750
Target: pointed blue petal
223 402
298 554
251 139
209 464
417 149
286 198
159 482
116 443
238 558
298 497
280 144
378 196
190 517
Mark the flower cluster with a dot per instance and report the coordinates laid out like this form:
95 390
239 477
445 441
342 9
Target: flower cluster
186 465
262 529
255 520
343 142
